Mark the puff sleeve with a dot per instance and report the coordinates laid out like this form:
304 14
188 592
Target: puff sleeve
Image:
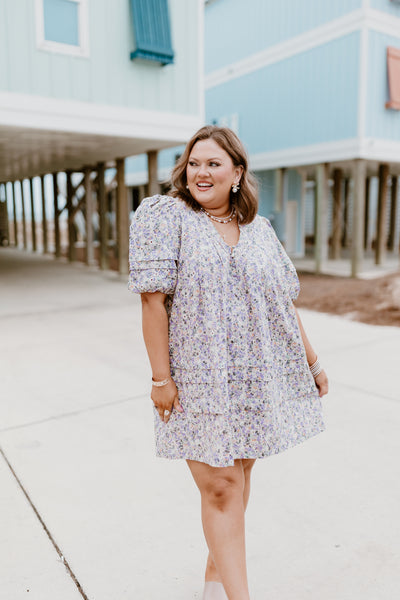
154 245
286 270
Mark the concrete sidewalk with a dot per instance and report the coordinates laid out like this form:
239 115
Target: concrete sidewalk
76 428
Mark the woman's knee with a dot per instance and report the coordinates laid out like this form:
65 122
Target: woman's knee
222 489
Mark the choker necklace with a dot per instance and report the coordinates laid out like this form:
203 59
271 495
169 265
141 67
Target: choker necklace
219 219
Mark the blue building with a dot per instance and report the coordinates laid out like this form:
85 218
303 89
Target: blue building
313 90
83 85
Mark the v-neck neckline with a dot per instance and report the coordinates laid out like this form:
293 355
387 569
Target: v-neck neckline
219 236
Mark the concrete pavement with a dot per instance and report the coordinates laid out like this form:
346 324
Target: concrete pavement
76 428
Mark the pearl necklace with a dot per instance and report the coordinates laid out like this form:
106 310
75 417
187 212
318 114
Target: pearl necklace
219 219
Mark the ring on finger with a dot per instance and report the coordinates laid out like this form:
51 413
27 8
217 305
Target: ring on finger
166 413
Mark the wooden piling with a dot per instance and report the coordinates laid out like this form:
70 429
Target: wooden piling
44 216
393 213
23 215
366 212
33 220
152 167
357 245
89 215
321 218
123 219
101 194
345 233
380 241
57 246
14 205
71 232
337 213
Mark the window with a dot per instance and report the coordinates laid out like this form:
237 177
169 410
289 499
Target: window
62 26
151 29
393 70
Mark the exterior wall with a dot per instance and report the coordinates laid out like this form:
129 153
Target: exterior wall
260 24
393 8
107 76
380 122
305 99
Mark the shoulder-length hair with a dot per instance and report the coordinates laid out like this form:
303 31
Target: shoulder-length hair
246 199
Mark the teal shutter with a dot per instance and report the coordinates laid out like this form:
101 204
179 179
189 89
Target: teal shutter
151 28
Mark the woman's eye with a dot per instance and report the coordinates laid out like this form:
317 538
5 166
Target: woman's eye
214 164
192 164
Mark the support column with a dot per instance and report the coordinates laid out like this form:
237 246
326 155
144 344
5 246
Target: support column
154 186
71 233
380 241
393 213
345 234
321 217
357 246
123 219
33 220
14 214
8 221
57 246
89 215
44 217
366 212
101 191
337 213
23 215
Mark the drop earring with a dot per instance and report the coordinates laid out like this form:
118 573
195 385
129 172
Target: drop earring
235 188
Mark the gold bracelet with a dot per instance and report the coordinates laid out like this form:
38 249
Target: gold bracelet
160 383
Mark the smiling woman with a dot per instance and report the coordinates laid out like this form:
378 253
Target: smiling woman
234 375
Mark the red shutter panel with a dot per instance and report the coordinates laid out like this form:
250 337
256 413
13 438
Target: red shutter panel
393 70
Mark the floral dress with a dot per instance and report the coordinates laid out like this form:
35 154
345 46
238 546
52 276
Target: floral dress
236 353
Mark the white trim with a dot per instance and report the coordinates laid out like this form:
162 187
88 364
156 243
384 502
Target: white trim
358 20
50 114
137 178
342 150
83 24
300 43
383 22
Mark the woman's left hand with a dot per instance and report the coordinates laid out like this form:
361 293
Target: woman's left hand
321 381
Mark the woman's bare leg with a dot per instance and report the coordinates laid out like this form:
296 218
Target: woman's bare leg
222 502
247 464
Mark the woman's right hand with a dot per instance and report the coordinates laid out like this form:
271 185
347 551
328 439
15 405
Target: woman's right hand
166 398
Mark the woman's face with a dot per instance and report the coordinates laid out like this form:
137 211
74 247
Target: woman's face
210 174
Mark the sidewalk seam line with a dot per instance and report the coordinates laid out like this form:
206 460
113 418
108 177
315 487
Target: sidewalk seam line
71 413
52 540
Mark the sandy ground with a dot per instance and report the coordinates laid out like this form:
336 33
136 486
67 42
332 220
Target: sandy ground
375 301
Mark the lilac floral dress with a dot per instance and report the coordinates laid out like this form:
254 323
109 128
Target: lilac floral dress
236 353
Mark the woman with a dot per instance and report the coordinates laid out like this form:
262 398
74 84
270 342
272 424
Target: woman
234 375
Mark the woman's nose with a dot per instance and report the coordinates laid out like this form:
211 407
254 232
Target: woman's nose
203 169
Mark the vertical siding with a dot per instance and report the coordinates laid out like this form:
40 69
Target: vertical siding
386 6
381 122
234 29
306 99
107 76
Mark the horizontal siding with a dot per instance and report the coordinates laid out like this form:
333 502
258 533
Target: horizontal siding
234 30
381 122
306 99
107 76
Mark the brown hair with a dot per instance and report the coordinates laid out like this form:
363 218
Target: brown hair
246 199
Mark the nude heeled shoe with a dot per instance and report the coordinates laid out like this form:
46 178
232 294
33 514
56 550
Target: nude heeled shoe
213 590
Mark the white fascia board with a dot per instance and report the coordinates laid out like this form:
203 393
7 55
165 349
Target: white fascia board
380 150
307 155
382 22
300 43
49 114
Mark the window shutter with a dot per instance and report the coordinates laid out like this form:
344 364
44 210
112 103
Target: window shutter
393 69
151 28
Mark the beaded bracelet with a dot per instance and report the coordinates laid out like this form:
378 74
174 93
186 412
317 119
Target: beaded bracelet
316 368
160 383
